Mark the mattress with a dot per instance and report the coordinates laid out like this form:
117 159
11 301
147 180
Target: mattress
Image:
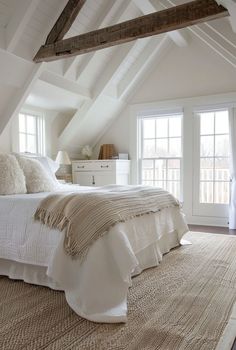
96 289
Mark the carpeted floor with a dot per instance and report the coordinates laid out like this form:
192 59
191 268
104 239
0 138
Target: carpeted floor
182 304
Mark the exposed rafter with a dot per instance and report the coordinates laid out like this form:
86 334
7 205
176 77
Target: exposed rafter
160 22
85 115
65 21
176 36
108 16
63 83
17 102
154 51
231 7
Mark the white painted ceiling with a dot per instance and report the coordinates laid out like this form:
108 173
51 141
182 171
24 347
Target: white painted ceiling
97 85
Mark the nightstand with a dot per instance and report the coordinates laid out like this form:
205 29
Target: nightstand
65 177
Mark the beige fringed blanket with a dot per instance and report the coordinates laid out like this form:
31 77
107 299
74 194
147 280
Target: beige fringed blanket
86 216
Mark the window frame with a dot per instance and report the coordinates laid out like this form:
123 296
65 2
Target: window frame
160 114
219 210
40 131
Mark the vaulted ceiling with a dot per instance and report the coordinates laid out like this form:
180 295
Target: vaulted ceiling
95 86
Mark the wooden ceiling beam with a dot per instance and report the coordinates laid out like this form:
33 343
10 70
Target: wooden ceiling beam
65 21
155 23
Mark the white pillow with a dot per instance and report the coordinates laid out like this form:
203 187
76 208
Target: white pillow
36 176
50 165
12 179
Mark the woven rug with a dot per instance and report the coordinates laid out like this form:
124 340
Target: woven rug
184 303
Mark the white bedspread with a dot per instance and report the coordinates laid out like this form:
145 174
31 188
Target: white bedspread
96 289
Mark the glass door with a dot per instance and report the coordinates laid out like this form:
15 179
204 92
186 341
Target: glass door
211 163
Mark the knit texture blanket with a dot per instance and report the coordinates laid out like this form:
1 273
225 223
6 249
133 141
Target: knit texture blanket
86 216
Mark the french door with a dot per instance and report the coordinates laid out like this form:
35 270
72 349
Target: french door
211 192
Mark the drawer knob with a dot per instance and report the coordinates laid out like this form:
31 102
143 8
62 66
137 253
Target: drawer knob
80 166
104 166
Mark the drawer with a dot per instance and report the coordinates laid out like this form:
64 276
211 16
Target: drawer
93 166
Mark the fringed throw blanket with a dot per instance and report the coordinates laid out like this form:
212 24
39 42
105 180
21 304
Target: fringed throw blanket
86 216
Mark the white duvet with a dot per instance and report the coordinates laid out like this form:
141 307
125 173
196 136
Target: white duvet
96 289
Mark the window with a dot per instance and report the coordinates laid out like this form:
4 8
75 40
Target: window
214 157
161 152
213 175
31 133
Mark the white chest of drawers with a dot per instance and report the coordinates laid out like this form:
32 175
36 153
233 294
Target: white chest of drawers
100 172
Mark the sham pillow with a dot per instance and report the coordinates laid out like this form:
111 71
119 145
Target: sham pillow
36 176
12 179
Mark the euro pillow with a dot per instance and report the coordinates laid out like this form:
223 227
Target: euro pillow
12 179
36 176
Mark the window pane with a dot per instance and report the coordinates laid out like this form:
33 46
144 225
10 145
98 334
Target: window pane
160 169
207 146
31 144
149 148
221 122
206 169
149 128
161 147
173 169
206 192
207 123
221 193
21 122
160 184
222 169
174 188
31 124
161 127
22 143
148 164
148 183
175 147
175 126
147 170
222 145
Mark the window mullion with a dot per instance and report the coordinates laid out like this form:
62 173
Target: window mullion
167 173
214 147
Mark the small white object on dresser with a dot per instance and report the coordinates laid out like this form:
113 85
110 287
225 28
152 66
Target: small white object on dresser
101 172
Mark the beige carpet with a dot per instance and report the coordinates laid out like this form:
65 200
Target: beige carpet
182 304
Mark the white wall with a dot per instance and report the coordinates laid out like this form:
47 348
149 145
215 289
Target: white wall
195 70
5 140
56 127
118 134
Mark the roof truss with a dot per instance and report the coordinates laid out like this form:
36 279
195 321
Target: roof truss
155 23
65 21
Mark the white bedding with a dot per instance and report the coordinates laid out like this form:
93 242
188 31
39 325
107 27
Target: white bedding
98 288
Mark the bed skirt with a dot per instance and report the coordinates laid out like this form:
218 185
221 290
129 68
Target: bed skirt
97 289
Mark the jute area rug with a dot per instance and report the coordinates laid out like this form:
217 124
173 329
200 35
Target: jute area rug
184 303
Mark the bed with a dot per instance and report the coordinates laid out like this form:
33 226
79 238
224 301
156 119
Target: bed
96 289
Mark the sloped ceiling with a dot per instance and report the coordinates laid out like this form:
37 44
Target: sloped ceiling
95 86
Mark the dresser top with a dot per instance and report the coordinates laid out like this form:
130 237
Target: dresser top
100 160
